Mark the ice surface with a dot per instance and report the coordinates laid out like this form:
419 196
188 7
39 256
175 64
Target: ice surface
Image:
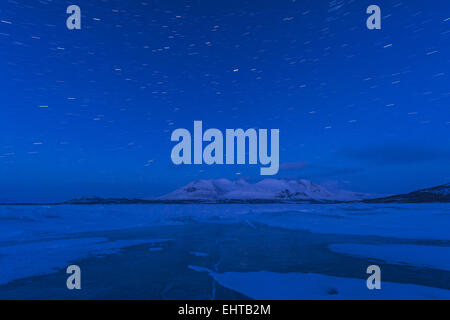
405 221
39 258
308 286
41 239
415 255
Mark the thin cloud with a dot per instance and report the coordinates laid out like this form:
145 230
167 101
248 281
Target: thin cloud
293 165
398 154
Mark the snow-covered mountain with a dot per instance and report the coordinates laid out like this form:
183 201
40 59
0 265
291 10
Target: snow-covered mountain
435 194
265 190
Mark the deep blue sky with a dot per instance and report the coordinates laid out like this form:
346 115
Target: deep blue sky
366 110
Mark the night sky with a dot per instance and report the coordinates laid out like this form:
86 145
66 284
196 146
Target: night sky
90 112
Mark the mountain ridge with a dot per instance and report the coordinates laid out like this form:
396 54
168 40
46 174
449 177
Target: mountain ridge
215 191
268 189
439 193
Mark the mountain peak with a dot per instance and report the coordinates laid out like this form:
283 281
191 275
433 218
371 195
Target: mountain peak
267 190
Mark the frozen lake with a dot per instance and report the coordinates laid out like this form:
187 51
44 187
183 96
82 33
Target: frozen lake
301 251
